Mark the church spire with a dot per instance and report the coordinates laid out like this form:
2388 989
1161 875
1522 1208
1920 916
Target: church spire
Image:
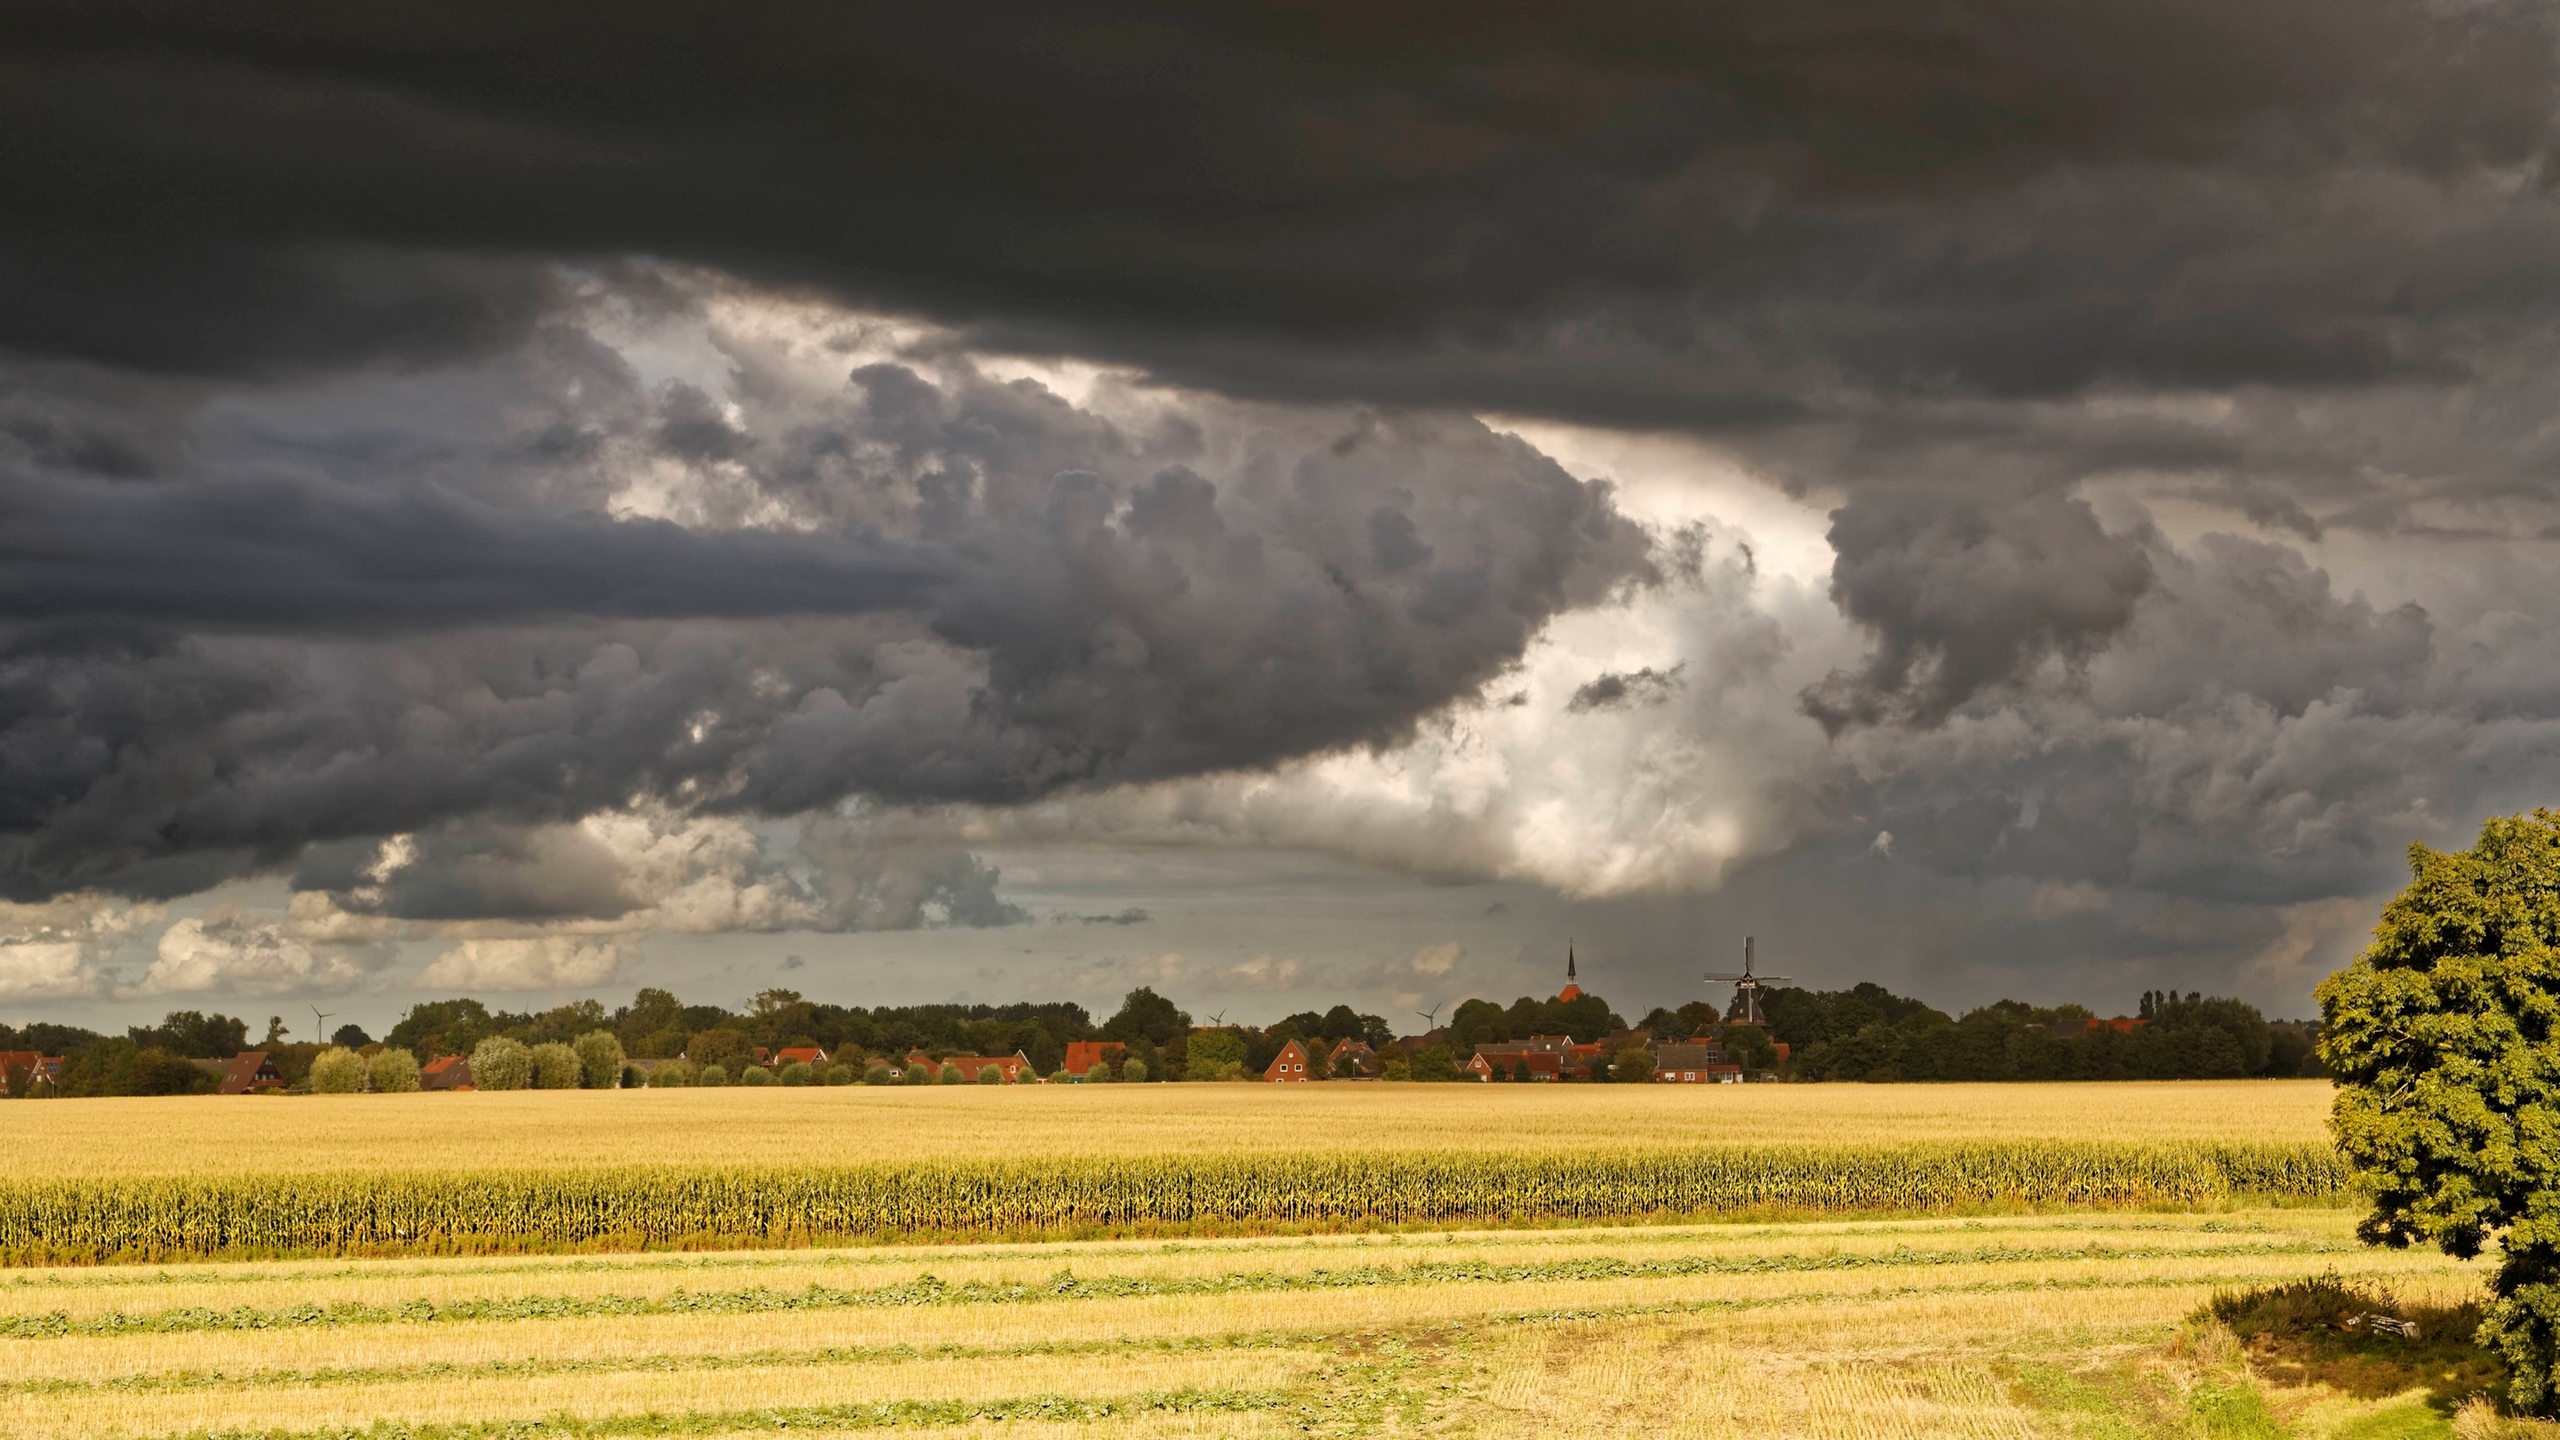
1568 962
1572 990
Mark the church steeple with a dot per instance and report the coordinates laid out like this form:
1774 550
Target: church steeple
1571 990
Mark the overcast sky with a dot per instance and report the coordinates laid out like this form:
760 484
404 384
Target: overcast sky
993 502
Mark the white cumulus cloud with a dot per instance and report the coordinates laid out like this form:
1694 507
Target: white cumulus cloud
546 962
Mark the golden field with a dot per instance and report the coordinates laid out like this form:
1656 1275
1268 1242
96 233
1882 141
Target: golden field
1993 1326
855 1125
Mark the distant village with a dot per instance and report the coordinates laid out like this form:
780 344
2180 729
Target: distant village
1768 1032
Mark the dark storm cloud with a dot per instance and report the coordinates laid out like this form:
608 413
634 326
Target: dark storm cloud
283 555
1964 593
963 590
1704 212
1617 690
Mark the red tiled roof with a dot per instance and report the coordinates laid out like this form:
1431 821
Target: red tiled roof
1083 1055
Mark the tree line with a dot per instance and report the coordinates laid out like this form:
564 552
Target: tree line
1865 1032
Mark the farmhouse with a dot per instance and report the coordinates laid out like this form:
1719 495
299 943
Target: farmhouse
32 1068
250 1073
1289 1066
1083 1055
1352 1059
446 1072
1694 1064
1012 1067
810 1055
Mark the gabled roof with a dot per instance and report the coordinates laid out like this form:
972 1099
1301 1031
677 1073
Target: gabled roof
1289 1064
801 1054
249 1070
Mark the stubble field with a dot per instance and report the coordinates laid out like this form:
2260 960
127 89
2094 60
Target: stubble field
2001 1314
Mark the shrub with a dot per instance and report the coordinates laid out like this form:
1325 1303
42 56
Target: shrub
878 1074
1133 1069
337 1071
950 1073
394 1071
754 1075
990 1075
499 1063
795 1073
921 1074
671 1073
1060 1076
1631 1064
599 1060
556 1067
711 1075
1100 1074
631 1077
839 1074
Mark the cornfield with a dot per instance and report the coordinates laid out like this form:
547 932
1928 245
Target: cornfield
649 1207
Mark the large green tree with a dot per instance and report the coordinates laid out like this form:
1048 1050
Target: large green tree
2444 1037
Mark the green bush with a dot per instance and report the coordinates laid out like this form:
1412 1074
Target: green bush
921 1074
1133 1069
670 1074
1060 1076
795 1073
1100 1074
754 1075
711 1075
990 1075
499 1063
840 1074
337 1071
878 1074
556 1067
950 1073
394 1071
599 1060
631 1078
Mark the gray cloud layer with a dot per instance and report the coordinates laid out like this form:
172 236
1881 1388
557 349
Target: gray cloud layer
2178 379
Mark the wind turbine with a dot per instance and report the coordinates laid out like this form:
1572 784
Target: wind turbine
1430 1018
1747 986
1218 1019
320 1025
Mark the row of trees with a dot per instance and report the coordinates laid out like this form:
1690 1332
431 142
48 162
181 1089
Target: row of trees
1863 1033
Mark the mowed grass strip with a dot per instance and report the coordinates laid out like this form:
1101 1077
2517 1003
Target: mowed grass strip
38 1287
1067 1286
712 1397
649 1207
406 1285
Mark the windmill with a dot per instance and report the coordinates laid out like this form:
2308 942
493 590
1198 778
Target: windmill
1218 1019
1430 1018
320 1023
1746 986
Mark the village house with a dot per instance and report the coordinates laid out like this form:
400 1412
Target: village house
1013 1067
1083 1055
810 1055
1694 1064
1289 1066
250 1073
2074 1029
446 1072
1352 1059
35 1070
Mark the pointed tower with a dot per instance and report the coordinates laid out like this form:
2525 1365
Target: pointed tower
1571 991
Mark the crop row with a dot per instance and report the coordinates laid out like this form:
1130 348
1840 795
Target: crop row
237 1214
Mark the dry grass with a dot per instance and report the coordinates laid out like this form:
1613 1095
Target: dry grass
860 1124
1921 1336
